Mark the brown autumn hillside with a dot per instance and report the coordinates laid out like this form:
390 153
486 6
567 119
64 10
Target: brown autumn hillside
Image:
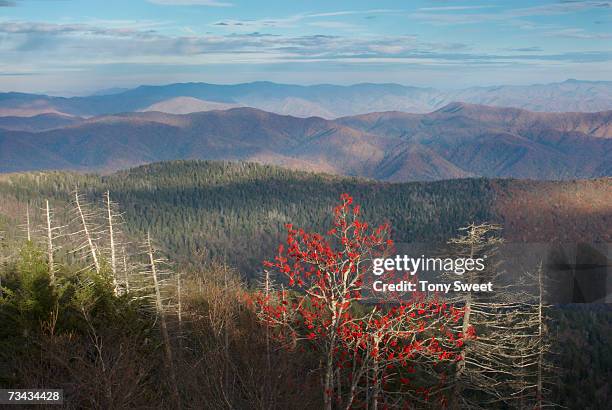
543 211
459 140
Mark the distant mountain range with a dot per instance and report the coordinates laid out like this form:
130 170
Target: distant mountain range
458 140
326 101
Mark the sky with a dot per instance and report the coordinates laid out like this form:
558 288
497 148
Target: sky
67 47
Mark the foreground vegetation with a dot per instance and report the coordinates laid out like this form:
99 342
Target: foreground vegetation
106 351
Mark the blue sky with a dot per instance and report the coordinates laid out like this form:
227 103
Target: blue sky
70 47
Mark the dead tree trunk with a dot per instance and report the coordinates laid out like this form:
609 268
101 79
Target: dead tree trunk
111 238
267 296
92 248
268 384
179 312
461 364
539 393
28 222
50 245
126 277
226 348
163 324
178 293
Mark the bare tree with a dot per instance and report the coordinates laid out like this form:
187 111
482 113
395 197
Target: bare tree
85 216
3 256
28 230
179 307
26 227
111 241
504 353
267 289
162 317
52 233
222 288
126 278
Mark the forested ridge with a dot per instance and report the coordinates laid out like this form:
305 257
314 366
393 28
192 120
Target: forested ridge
216 222
235 211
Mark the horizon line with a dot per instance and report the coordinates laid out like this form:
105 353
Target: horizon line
101 91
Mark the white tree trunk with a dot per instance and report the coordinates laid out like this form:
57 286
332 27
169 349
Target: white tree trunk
539 392
92 248
111 236
28 222
50 245
163 324
126 277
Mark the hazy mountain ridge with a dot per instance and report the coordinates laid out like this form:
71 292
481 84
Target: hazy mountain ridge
328 101
459 140
595 124
40 122
186 105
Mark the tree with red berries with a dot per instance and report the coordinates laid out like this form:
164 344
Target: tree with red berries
373 351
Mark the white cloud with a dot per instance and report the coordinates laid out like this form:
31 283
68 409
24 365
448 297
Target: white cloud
578 33
333 25
210 3
41 47
454 8
509 16
353 12
249 25
292 21
389 48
